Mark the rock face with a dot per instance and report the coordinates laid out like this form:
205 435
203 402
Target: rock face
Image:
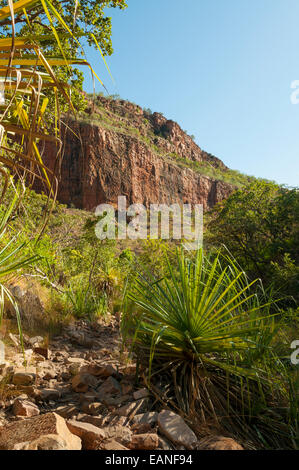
121 150
25 408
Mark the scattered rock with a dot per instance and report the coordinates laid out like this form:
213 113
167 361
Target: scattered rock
176 430
91 408
49 442
82 382
97 421
91 435
101 370
25 408
37 340
33 428
67 412
142 428
132 408
75 360
50 374
47 394
126 387
144 442
15 339
218 443
121 434
27 295
164 444
44 352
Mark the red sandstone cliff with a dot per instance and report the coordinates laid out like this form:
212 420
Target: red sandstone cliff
123 150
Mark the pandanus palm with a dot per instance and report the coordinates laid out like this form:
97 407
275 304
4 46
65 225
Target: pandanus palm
204 334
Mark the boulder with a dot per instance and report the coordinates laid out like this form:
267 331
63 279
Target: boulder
91 435
92 409
176 430
142 393
25 408
95 420
30 429
82 382
23 378
144 442
36 341
44 352
47 394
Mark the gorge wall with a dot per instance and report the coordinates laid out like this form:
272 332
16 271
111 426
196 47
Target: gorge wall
116 148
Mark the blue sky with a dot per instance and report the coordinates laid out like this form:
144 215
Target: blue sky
221 68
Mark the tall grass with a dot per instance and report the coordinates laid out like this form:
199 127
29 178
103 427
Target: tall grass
27 75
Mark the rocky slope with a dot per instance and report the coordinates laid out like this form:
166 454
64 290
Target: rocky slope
116 148
79 392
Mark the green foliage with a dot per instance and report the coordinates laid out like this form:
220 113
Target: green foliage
259 225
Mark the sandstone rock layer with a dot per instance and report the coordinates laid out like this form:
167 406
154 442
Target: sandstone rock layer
122 150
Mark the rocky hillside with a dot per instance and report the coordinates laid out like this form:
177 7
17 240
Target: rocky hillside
79 393
116 148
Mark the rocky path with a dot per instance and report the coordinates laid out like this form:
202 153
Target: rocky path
80 393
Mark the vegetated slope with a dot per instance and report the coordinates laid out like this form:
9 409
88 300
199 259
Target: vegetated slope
116 148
